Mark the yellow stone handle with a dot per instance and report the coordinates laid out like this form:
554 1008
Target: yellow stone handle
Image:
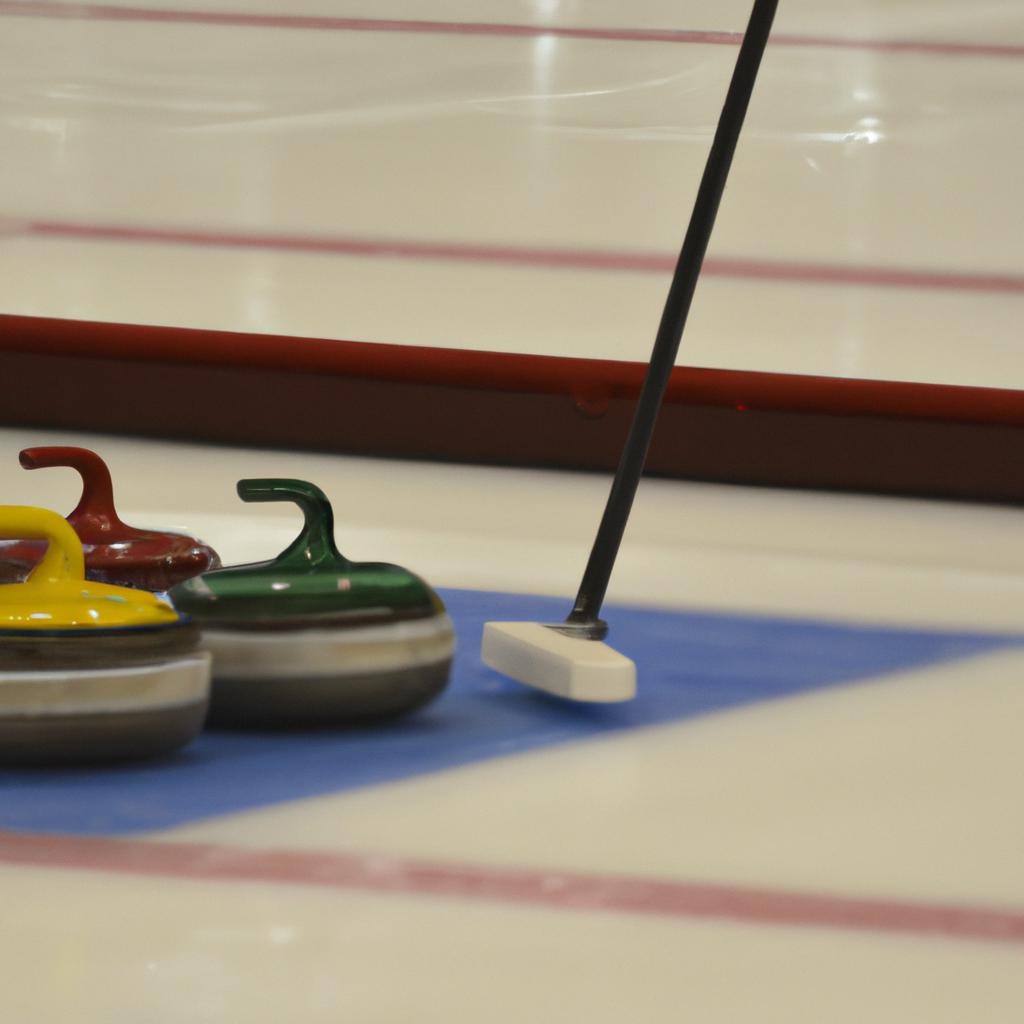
57 595
63 559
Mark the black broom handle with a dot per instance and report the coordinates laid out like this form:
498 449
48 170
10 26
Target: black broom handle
586 610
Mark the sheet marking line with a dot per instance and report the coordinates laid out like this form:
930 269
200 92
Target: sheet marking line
627 261
326 23
562 890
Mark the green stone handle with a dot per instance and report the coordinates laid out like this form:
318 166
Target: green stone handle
314 547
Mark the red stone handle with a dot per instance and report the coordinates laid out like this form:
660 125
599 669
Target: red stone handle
95 520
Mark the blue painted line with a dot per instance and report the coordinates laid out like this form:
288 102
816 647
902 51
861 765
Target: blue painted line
689 664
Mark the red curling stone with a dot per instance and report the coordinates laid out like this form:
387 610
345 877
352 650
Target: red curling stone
115 553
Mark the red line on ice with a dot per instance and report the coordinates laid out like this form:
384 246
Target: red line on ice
113 12
533 256
555 889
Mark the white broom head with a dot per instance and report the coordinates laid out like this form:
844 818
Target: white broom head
566 666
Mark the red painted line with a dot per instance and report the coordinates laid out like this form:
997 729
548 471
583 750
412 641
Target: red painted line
928 47
532 256
111 12
878 277
551 889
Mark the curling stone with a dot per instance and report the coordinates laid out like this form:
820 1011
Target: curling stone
114 552
312 639
90 672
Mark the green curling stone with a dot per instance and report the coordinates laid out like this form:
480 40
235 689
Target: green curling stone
312 639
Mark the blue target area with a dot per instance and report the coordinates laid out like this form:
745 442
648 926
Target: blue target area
688 664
